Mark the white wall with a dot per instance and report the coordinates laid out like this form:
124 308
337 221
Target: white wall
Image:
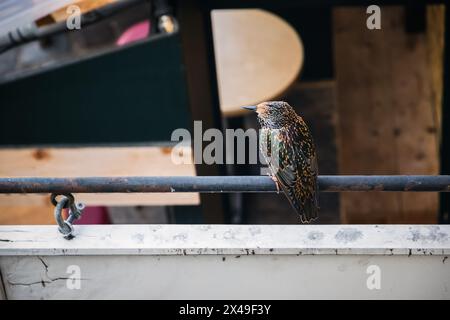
227 262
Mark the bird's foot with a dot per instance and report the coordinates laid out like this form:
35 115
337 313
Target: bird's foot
277 183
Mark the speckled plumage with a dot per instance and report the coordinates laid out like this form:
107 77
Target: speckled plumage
289 150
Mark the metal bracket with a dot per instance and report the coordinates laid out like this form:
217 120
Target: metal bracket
67 201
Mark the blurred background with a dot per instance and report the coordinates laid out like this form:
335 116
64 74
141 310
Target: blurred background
104 98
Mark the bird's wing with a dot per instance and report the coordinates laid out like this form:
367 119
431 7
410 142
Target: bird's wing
265 144
293 162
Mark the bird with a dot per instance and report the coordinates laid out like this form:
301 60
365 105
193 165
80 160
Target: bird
288 147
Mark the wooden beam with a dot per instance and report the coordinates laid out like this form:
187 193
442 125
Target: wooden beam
387 113
92 161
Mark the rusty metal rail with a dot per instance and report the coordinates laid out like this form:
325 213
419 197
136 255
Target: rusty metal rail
229 184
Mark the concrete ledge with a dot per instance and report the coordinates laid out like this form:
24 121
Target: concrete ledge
228 239
226 262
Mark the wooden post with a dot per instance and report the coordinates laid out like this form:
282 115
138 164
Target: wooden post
387 110
198 53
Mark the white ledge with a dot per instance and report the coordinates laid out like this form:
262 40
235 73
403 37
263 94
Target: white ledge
228 239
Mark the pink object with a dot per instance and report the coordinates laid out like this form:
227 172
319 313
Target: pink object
134 33
94 215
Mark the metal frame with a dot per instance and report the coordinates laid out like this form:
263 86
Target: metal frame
214 184
203 184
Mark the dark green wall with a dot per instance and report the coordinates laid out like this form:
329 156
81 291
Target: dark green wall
135 94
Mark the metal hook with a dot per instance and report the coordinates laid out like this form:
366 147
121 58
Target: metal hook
75 211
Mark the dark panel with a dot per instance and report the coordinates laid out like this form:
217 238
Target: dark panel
132 95
313 24
198 55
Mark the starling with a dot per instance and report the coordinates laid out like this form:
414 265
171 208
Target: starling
288 148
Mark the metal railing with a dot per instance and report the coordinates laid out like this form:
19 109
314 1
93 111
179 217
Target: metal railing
62 188
217 184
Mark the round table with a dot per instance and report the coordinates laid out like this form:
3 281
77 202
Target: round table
258 56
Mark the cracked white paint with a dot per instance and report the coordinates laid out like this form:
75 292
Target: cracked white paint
226 261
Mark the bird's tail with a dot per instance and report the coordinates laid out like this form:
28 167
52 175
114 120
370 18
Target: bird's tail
310 210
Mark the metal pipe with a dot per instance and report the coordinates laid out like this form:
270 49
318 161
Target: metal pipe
217 184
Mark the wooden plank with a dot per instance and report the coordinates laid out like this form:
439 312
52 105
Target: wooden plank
72 162
386 123
415 115
92 161
104 199
184 261
435 54
27 214
362 94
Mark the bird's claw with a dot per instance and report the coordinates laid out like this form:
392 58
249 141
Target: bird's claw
277 184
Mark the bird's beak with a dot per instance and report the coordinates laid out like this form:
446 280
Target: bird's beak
251 108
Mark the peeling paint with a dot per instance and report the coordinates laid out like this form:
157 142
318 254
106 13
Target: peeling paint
254 230
180 236
434 234
228 235
139 237
347 235
315 235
